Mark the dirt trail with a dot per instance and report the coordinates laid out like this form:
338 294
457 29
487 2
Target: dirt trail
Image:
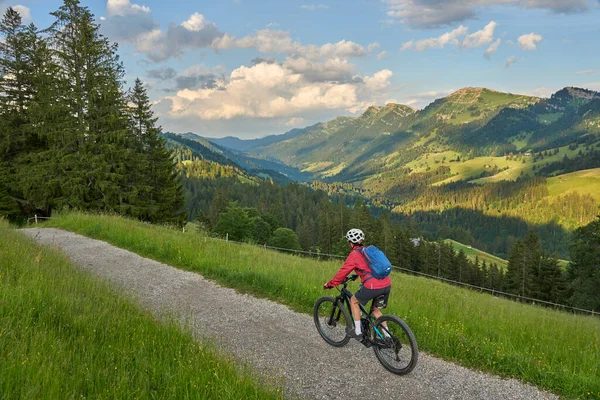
274 339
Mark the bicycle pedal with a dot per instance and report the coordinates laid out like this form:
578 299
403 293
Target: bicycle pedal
366 342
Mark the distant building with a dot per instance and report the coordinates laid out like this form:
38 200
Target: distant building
416 241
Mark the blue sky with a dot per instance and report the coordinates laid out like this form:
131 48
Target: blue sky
251 68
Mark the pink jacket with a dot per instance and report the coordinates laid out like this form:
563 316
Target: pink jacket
356 262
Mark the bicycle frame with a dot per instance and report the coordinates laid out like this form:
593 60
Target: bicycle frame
344 298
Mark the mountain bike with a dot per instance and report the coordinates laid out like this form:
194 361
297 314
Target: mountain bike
391 338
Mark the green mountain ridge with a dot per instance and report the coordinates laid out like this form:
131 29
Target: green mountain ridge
191 147
472 122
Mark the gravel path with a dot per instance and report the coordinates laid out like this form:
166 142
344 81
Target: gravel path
274 339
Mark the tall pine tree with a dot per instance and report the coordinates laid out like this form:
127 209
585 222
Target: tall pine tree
17 88
164 196
93 148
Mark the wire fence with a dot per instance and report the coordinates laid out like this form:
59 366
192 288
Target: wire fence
439 278
493 292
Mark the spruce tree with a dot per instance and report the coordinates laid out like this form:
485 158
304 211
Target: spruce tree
93 145
16 90
161 187
584 269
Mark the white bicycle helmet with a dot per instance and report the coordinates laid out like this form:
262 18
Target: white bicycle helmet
355 236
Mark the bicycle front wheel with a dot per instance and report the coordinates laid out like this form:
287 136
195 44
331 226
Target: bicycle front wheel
395 345
331 319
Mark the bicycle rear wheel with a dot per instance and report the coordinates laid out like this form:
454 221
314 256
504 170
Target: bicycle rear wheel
395 345
331 319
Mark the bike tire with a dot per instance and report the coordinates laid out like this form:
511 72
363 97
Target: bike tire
400 353
334 333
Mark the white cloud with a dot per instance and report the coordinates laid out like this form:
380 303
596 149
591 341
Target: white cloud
224 42
407 45
436 13
24 12
480 38
373 46
382 55
272 90
529 41
492 49
134 23
510 60
451 38
588 72
276 41
195 23
124 7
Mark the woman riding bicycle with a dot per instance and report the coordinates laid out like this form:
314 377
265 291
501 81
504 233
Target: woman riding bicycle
370 288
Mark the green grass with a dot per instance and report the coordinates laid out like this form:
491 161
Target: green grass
516 167
553 350
472 253
65 334
585 182
521 143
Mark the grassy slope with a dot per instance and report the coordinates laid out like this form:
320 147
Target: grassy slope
553 350
584 182
472 253
64 334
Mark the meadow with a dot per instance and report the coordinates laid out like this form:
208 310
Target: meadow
553 350
65 334
473 254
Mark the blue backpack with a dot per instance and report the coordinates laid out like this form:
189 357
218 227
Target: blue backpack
378 262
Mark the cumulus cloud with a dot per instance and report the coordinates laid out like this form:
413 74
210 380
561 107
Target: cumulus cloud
451 38
529 41
480 38
126 21
373 46
272 90
382 55
133 23
511 60
492 49
270 41
459 36
436 13
195 33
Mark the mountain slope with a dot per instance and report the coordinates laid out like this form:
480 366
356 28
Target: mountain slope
473 122
326 149
191 147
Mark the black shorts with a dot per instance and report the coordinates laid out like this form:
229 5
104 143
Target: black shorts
364 295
